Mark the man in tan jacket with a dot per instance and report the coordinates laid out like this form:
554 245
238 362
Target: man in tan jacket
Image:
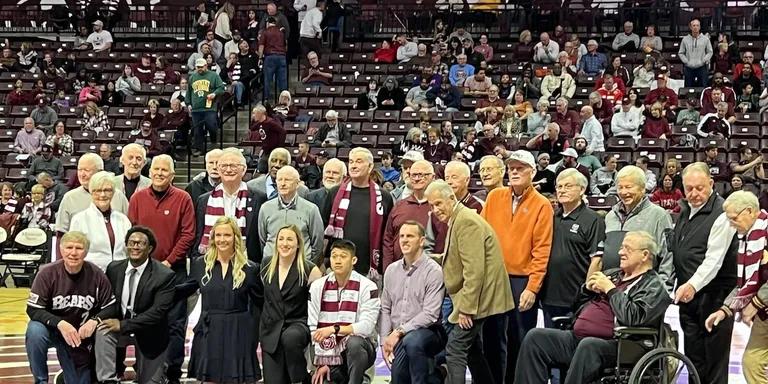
477 282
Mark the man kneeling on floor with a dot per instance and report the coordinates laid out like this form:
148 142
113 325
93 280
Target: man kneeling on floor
67 298
632 295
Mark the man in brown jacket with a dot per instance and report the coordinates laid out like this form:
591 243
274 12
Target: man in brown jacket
477 282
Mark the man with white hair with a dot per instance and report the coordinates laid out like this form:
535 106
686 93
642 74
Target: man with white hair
268 131
704 248
334 171
231 198
626 41
291 209
457 175
168 211
546 50
491 175
592 131
577 245
266 184
594 62
133 158
332 134
79 199
205 181
406 161
635 212
357 210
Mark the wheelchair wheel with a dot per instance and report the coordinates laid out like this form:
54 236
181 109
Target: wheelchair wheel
662 366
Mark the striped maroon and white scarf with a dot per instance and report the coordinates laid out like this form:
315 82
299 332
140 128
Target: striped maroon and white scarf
750 261
215 209
335 229
337 306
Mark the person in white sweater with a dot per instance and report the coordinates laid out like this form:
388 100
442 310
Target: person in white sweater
557 84
592 131
127 84
626 41
546 51
625 122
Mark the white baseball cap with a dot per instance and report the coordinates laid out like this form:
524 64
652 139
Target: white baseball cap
522 156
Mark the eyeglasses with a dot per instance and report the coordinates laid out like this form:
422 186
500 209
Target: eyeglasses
629 249
105 191
419 175
136 243
565 187
228 166
735 217
489 169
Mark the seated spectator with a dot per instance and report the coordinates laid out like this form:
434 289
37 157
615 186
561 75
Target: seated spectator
610 90
95 119
303 162
110 97
217 49
522 107
568 64
67 325
593 63
546 50
505 86
37 212
8 61
18 96
177 119
389 172
690 115
232 75
528 84
43 115
406 49
544 179
568 120
603 180
727 93
148 138
315 74
164 73
524 49
722 59
638 298
391 96
436 151
510 125
580 144
460 71
474 58
477 85
368 101
387 53
746 77
650 177
550 141
284 110
416 98
29 140
447 97
557 84
106 228
656 125
213 66
202 49
538 121
8 204
332 133
47 163
111 164
153 114
343 352
625 122
666 195
749 166
570 160
231 45
662 90
100 39
484 48
626 41
144 70
747 101
734 185
747 61
91 92
718 169
180 93
715 124
592 131
60 141
412 141
602 109
650 43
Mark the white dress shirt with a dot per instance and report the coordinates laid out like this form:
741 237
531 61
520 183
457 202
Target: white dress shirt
139 271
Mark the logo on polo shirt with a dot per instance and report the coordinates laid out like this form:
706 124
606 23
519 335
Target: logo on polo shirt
575 228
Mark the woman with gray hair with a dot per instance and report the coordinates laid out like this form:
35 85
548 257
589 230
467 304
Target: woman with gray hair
105 227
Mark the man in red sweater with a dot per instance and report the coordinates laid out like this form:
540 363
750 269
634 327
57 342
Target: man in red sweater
168 211
268 131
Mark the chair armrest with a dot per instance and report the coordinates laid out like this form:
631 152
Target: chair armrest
562 322
622 332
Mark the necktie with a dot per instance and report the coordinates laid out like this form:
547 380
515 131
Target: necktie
273 194
131 292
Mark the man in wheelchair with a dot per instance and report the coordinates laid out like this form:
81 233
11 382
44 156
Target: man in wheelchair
632 295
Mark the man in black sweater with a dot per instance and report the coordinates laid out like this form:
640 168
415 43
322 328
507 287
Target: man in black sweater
703 245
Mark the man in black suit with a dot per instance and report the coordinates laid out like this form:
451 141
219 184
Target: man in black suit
230 198
144 290
334 170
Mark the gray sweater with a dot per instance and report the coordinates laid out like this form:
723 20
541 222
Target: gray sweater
44 118
695 52
648 217
274 215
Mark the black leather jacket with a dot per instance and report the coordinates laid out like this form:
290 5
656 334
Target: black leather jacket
642 304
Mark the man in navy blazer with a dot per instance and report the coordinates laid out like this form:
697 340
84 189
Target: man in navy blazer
144 291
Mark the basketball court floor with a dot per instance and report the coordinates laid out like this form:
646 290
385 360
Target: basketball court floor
14 368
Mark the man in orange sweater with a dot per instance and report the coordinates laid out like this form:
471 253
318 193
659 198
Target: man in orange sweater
523 220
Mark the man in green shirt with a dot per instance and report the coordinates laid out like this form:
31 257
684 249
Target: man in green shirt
204 86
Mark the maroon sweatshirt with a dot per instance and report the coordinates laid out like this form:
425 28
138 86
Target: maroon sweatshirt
404 210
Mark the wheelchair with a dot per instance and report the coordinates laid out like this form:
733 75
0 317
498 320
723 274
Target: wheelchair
646 355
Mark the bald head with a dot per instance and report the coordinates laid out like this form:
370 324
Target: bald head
287 181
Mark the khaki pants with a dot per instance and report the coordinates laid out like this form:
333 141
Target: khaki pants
755 360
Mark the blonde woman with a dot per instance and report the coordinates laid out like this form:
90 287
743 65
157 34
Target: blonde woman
510 124
222 22
95 119
224 346
283 331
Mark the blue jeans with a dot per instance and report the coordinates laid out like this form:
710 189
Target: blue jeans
238 87
204 122
519 323
414 354
695 77
275 69
39 338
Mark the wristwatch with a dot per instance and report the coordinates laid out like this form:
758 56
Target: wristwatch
336 329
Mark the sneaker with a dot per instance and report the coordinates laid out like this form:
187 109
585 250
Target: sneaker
196 152
58 377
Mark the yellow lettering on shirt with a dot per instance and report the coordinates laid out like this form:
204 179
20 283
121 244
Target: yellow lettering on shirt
201 87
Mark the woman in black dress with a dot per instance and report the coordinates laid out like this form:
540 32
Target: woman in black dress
224 347
284 333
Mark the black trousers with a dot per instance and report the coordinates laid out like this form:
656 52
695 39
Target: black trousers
287 364
465 347
177 328
709 351
358 357
545 348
